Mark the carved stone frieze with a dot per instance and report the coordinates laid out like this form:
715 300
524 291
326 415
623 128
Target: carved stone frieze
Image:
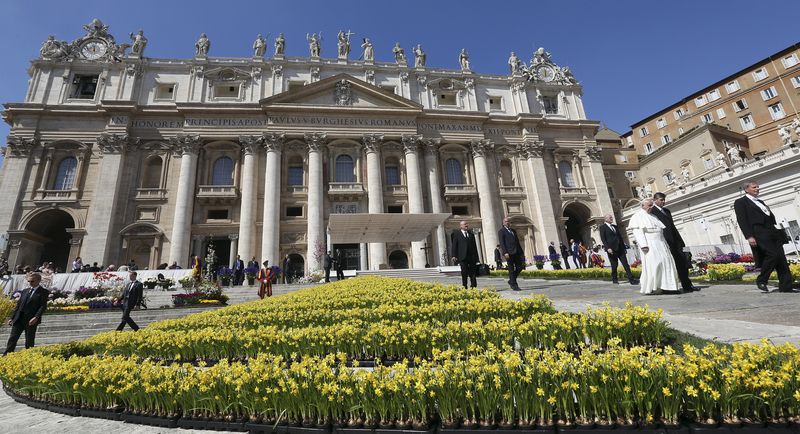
343 93
274 141
134 69
372 142
315 141
277 70
198 71
185 143
480 147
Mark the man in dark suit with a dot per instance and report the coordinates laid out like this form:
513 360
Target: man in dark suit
327 264
498 258
339 265
674 240
765 237
615 246
238 270
465 251
512 251
564 254
28 313
131 297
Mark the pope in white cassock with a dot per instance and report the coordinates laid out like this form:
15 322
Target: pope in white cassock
658 267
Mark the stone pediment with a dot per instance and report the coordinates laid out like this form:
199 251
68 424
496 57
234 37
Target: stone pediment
341 91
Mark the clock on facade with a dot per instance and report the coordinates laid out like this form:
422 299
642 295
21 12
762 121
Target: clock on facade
93 49
545 73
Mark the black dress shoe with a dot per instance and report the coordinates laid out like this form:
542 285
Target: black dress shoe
634 282
763 287
615 282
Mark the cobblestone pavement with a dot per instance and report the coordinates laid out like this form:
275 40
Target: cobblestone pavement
726 313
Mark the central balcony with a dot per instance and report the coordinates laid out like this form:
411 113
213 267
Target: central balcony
511 191
57 195
345 190
575 192
459 191
395 190
151 194
217 194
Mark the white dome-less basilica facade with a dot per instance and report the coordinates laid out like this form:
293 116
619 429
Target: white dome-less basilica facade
115 156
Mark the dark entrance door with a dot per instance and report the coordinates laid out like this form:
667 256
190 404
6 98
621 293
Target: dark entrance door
222 248
350 253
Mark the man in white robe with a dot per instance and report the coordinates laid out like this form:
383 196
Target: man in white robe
658 267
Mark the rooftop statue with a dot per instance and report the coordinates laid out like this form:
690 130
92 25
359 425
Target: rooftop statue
369 50
399 53
419 57
514 64
202 46
52 49
463 59
259 46
280 45
343 43
314 46
139 43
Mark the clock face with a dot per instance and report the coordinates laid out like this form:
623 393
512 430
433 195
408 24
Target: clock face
545 73
93 50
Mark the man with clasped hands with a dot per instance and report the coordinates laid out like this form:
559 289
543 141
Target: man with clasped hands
465 251
28 313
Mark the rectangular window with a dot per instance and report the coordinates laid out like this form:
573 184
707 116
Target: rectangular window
495 103
679 113
294 211
392 175
713 95
165 91
226 91
550 104
708 118
459 210
661 123
732 86
796 81
648 148
217 214
394 209
447 99
643 131
84 86
739 105
708 163
295 84
721 113
776 111
666 139
747 122
629 141
294 176
789 61
769 93
760 74
700 101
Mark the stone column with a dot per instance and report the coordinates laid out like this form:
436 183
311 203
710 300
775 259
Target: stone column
595 157
247 212
545 218
486 199
372 142
363 262
16 174
101 236
316 224
416 204
234 249
437 203
188 146
270 235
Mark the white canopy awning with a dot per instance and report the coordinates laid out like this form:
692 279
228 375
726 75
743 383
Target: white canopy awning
382 228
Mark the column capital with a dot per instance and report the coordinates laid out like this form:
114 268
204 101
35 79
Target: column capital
250 144
410 142
185 143
431 145
372 142
480 147
531 149
274 141
595 153
233 237
110 143
315 141
18 146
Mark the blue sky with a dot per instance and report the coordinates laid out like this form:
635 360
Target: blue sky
632 57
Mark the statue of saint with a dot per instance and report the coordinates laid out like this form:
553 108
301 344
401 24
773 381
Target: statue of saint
96 28
721 162
568 77
640 192
734 154
399 53
514 63
202 46
540 56
419 57
314 44
463 59
139 43
648 191
343 44
796 126
685 174
52 49
786 135
259 46
280 45
369 50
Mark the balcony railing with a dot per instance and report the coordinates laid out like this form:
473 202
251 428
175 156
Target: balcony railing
151 194
460 190
217 192
511 190
57 195
396 190
574 191
297 189
350 189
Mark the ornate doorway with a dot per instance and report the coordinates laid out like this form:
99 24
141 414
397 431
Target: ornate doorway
50 240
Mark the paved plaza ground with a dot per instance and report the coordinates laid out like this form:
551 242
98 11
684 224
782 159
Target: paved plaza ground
726 313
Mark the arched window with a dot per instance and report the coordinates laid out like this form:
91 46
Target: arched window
65 176
506 173
222 172
344 169
392 170
151 178
565 170
294 174
453 171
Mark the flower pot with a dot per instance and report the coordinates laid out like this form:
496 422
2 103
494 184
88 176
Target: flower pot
539 266
251 280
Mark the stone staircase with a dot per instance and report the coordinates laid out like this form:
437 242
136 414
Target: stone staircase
66 327
411 273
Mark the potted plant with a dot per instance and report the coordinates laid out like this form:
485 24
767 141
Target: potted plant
225 275
538 260
150 282
250 274
555 261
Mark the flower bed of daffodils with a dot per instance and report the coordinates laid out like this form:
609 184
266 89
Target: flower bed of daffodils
436 357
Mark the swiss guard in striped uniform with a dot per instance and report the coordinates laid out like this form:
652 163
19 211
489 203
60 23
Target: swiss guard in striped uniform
265 277
196 267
